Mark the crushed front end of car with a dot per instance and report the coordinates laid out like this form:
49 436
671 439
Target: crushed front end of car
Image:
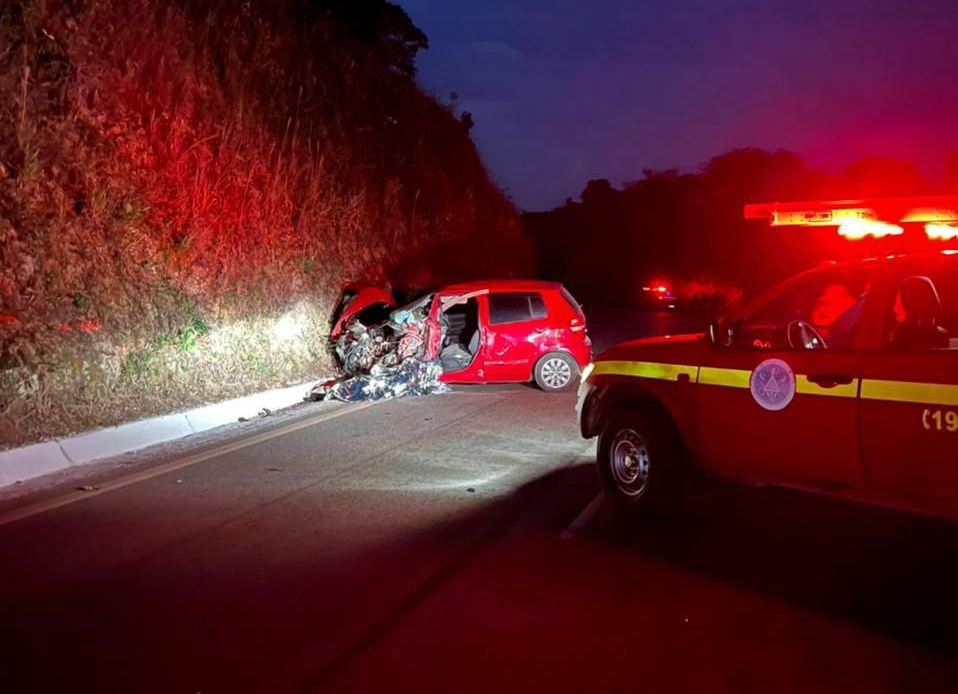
384 360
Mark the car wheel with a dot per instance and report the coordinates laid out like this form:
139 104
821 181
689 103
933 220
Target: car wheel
640 462
556 372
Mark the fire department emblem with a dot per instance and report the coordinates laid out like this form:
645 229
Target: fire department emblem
772 384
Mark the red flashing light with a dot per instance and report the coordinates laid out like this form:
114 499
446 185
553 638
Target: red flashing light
927 209
858 229
867 217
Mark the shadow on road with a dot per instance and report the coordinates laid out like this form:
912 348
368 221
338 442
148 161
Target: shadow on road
881 570
204 614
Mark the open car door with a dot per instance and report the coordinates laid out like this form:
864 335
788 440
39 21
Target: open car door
437 326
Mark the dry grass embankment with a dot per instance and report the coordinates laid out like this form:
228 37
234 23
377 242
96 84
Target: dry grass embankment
183 188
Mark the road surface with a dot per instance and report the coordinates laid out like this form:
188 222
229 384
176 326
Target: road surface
455 544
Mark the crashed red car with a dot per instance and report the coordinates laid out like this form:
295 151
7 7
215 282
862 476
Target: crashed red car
499 331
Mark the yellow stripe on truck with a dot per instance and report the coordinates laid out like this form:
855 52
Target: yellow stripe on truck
910 391
730 378
644 369
868 389
844 390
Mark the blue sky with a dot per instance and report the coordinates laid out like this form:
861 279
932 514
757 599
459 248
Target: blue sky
565 91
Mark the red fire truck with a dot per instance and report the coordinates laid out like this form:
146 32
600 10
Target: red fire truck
842 380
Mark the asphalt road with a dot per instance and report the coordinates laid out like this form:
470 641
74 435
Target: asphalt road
454 544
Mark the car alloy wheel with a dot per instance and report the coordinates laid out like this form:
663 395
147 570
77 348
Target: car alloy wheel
555 372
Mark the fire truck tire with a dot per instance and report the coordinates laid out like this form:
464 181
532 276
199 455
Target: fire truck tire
640 462
556 372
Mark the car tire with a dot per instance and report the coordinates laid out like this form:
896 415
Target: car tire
640 461
556 372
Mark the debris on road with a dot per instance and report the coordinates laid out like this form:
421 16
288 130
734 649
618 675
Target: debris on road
410 377
87 488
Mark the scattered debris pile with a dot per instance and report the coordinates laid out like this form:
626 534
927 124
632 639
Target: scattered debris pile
384 360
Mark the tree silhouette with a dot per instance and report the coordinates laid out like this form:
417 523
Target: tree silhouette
689 228
381 24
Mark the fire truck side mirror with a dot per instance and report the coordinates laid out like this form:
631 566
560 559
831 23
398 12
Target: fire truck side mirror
720 332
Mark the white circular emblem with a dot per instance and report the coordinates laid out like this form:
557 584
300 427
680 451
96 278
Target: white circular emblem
772 384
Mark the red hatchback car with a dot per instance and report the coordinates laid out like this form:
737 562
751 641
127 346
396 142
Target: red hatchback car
498 331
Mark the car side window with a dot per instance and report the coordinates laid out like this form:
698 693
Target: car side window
823 311
515 307
924 313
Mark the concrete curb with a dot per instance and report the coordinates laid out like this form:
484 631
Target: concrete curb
20 464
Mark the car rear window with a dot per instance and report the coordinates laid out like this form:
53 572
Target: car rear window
538 305
571 301
516 307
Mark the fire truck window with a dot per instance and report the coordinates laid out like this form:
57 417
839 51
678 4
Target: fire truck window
831 302
924 314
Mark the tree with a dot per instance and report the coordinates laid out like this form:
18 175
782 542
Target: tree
598 192
382 24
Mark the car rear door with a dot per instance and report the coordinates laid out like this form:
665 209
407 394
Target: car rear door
909 397
514 325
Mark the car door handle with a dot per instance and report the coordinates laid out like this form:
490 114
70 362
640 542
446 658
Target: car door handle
831 380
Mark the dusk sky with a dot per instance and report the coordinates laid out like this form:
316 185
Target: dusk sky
565 91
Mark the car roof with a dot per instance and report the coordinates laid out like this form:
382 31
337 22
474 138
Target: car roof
502 286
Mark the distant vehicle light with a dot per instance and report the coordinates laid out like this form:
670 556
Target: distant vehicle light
858 229
941 232
661 289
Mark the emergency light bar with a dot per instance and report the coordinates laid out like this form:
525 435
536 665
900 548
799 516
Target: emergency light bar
927 209
857 219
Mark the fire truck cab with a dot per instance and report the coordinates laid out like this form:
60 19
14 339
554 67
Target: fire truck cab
842 380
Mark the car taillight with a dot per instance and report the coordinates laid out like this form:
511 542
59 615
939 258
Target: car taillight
576 325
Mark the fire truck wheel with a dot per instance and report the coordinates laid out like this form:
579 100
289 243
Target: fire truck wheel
640 462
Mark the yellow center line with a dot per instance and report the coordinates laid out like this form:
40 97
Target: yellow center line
142 476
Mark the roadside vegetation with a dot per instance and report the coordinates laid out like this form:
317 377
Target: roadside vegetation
184 185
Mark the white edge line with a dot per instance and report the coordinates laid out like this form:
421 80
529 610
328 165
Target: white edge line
143 475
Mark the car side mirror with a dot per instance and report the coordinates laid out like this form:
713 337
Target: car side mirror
721 332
